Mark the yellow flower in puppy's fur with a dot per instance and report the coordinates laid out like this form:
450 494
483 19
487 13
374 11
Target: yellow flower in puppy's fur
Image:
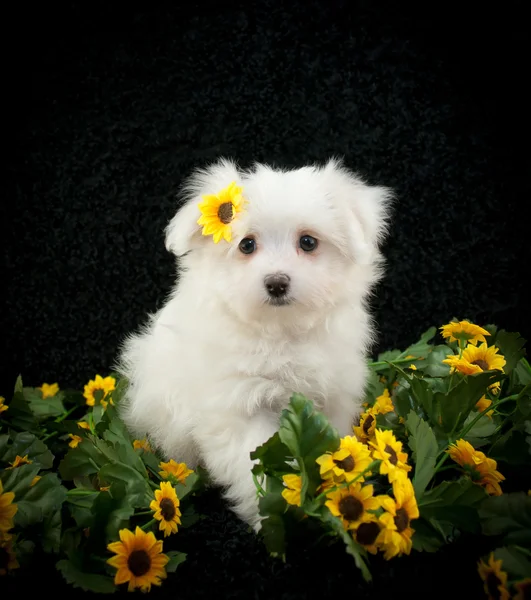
219 210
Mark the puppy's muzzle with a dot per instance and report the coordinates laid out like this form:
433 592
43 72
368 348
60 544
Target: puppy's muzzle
277 286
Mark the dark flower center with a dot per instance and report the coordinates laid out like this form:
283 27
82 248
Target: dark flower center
482 364
4 559
367 533
139 562
393 459
493 582
225 212
347 464
351 508
367 424
401 520
167 509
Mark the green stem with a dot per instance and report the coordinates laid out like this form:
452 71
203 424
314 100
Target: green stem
154 485
75 503
91 461
441 462
259 488
77 492
153 472
65 414
50 435
381 363
143 512
148 524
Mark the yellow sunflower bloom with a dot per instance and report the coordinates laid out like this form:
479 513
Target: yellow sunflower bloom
166 507
83 425
389 450
346 463
142 445
174 471
383 404
75 440
464 331
480 468
8 559
7 510
494 579
365 430
48 390
292 493
3 407
369 534
396 538
523 589
219 210
412 367
482 404
35 480
476 360
139 560
98 389
351 504
19 461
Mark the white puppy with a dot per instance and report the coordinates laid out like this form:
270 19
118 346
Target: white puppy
281 308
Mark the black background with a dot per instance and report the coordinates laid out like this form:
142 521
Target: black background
111 105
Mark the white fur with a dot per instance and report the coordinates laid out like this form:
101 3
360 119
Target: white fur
212 370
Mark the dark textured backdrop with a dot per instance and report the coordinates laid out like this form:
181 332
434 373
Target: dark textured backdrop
109 108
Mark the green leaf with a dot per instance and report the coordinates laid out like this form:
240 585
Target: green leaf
272 506
483 428
388 355
433 365
426 537
20 414
423 443
37 451
273 456
424 396
44 498
80 508
44 408
89 582
514 561
191 484
19 387
511 346
352 547
110 514
456 405
307 435
508 515
51 534
454 501
86 459
176 558
523 371
19 480
138 490
118 435
422 347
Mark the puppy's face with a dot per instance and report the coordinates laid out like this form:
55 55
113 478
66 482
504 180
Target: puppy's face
296 245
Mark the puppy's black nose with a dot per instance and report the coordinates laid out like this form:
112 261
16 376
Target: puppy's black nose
277 285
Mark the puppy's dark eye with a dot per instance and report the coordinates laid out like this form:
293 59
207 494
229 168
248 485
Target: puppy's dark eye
308 243
247 246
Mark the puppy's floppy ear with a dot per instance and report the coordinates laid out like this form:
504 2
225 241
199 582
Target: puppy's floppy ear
183 233
366 209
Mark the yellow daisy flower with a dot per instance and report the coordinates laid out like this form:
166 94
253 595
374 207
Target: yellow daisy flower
7 510
219 210
351 504
480 468
174 471
523 589
19 461
48 390
494 579
365 430
83 425
166 507
412 367
369 534
35 480
383 404
139 560
3 407
389 450
464 331
98 389
398 516
292 493
75 440
484 403
142 445
8 559
346 463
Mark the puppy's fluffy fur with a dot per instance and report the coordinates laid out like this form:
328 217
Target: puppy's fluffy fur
211 371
